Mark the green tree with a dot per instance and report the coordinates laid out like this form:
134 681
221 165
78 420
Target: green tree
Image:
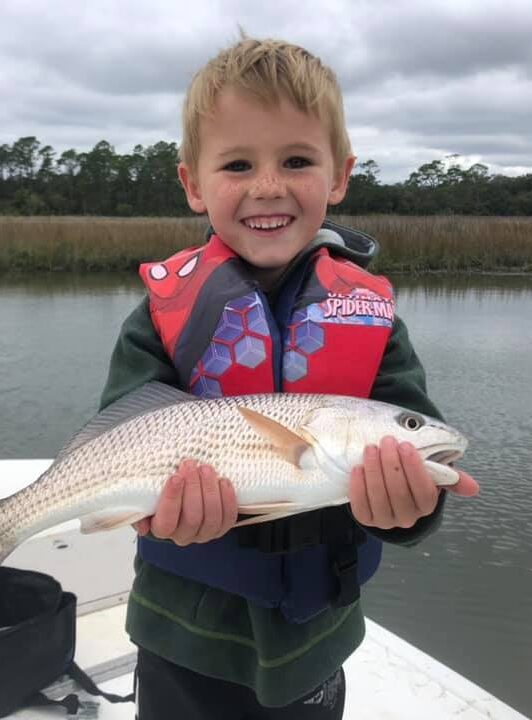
430 175
144 182
370 171
6 167
96 174
24 156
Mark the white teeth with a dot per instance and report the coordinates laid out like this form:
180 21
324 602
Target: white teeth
258 224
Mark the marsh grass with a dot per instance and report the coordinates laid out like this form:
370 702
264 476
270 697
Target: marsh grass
415 244
93 243
450 243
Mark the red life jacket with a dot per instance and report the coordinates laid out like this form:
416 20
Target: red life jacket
326 333
217 328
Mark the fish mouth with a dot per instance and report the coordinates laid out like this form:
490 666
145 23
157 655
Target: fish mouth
442 456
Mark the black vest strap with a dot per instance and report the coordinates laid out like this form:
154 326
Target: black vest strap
325 526
333 526
88 684
71 702
344 561
285 535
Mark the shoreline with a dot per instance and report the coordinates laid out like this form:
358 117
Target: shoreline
443 272
419 245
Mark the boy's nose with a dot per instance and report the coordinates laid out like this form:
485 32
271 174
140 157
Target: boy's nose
268 187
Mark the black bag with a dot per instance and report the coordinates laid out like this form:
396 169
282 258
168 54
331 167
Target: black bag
37 642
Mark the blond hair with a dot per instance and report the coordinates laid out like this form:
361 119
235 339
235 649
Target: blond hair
267 70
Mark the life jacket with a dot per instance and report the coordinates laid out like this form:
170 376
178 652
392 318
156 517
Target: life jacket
326 332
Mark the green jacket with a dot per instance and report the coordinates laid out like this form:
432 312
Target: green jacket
225 636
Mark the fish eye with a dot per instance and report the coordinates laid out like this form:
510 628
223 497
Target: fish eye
411 422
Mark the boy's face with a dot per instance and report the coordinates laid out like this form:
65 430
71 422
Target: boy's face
265 177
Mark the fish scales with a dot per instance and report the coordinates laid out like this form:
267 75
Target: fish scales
122 468
150 447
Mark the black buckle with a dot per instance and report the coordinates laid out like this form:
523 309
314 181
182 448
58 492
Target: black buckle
284 535
332 526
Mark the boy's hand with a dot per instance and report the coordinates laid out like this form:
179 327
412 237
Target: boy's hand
393 488
195 506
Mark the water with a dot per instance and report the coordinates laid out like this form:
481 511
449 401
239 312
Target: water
465 594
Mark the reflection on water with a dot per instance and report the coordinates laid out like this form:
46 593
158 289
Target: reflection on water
465 594
88 284
477 286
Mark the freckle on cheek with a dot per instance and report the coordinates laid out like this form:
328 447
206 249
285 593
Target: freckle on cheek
227 191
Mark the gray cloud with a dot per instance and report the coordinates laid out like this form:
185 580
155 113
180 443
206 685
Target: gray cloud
421 79
452 40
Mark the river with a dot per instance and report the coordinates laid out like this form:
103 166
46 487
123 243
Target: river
465 594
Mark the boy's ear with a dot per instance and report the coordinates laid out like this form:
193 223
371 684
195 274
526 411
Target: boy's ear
191 187
341 180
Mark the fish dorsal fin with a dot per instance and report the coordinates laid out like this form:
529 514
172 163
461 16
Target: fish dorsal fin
149 397
290 445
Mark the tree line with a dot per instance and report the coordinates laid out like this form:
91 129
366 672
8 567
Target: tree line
35 180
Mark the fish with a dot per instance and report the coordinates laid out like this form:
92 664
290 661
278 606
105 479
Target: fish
285 453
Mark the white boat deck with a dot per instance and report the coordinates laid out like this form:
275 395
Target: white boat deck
387 678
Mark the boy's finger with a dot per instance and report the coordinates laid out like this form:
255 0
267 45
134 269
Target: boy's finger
466 485
379 501
402 501
358 497
192 509
212 505
423 490
142 526
229 506
166 517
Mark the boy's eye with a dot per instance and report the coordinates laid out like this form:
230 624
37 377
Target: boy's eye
298 162
237 166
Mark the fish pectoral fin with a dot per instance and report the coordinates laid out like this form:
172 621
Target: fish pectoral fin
265 512
275 511
263 508
262 514
110 519
287 443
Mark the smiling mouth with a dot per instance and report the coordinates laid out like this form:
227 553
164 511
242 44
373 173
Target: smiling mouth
268 223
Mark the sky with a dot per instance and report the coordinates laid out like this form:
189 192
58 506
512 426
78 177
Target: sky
422 79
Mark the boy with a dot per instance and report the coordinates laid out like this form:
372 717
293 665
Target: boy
264 152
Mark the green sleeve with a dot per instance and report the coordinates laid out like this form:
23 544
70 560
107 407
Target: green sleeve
401 381
138 357
401 377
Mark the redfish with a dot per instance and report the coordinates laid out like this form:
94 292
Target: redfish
284 454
